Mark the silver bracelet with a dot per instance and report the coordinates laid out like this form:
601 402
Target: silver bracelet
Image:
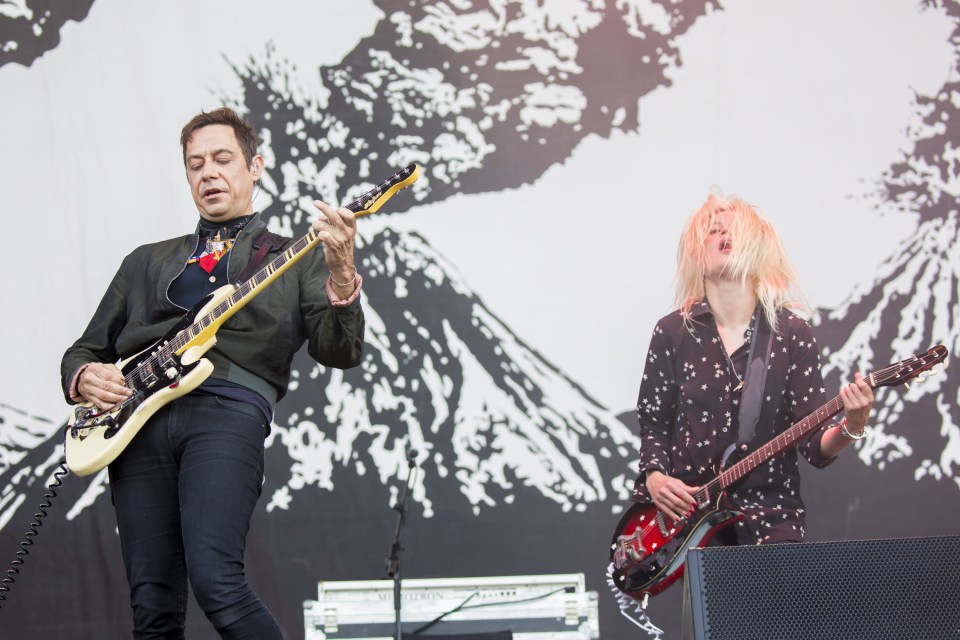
344 284
846 433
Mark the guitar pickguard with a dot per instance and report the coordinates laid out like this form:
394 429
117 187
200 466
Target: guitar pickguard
87 417
650 549
155 376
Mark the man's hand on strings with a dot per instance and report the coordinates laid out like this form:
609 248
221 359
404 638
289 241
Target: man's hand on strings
103 385
337 228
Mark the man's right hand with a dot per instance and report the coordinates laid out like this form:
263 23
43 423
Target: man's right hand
671 496
103 385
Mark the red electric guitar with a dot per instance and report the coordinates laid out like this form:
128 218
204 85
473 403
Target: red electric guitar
649 548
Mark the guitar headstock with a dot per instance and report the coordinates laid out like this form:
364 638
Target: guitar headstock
372 200
905 370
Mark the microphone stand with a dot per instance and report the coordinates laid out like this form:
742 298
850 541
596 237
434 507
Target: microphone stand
393 562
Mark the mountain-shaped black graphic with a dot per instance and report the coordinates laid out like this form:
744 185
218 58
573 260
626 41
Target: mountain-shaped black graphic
518 467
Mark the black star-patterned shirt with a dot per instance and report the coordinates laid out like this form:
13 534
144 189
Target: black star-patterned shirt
689 415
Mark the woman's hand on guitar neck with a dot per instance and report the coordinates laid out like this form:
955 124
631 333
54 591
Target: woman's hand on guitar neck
671 496
857 400
103 385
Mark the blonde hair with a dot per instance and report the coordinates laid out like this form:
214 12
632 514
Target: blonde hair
757 257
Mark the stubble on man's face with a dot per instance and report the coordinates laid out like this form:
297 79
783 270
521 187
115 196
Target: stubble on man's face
221 182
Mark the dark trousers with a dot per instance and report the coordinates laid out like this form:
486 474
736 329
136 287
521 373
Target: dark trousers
184 491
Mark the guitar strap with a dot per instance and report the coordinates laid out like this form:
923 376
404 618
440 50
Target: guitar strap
264 244
755 379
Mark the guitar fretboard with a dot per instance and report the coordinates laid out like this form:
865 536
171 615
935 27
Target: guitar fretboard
370 201
893 374
245 292
780 443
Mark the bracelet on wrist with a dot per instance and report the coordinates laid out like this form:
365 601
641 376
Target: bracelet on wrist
352 280
851 436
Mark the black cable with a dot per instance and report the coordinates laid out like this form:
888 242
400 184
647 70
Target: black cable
462 606
34 526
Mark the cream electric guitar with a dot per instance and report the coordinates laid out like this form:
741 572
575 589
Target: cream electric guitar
174 365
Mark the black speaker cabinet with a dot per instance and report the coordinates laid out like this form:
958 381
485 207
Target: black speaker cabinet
897 589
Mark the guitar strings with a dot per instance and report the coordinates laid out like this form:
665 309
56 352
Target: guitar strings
151 364
880 377
137 377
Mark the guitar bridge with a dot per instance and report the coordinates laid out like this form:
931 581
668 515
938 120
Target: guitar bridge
81 428
628 550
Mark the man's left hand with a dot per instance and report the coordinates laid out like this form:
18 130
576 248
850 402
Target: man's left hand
337 228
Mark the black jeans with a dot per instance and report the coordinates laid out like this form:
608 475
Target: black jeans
184 491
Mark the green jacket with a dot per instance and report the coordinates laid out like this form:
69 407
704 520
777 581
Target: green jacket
255 347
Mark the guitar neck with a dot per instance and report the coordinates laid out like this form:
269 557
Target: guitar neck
369 202
245 292
894 374
779 443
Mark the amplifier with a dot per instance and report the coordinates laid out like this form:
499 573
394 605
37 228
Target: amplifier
854 590
531 607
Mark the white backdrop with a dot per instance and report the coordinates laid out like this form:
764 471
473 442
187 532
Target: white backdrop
799 107
796 106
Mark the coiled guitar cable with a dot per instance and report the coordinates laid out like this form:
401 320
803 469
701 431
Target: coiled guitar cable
24 551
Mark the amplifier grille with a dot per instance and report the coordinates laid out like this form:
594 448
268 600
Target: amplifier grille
870 589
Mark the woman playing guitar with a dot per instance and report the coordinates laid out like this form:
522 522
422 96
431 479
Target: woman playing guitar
735 291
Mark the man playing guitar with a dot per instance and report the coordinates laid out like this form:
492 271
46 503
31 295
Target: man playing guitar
184 488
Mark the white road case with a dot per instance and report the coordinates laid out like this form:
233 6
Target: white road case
544 607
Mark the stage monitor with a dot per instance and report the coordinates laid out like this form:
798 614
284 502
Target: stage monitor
863 589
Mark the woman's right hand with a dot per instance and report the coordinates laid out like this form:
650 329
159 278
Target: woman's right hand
671 496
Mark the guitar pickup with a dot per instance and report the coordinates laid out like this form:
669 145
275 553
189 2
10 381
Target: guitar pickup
702 497
662 524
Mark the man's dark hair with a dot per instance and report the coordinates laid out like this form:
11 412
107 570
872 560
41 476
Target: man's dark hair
244 131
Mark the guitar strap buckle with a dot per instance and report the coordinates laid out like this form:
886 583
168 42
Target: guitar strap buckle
264 244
